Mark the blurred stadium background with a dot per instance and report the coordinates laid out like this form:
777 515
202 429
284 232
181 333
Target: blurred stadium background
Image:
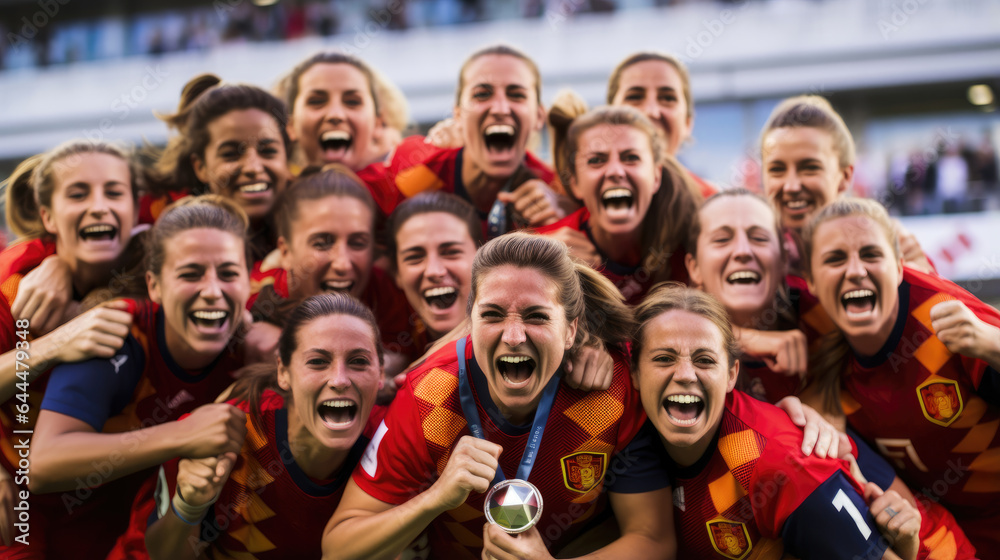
916 80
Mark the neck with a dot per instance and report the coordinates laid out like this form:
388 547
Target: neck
689 455
86 276
482 189
754 319
315 459
623 248
183 354
869 345
517 416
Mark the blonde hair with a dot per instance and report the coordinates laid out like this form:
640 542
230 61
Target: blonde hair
813 111
206 211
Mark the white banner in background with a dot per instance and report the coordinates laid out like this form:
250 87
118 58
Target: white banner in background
962 246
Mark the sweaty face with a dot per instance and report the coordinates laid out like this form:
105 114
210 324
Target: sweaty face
683 377
333 118
856 276
519 336
245 160
616 177
739 255
203 289
802 173
655 88
434 268
331 247
333 377
93 210
498 112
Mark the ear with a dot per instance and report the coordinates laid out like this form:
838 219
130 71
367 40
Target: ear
199 169
574 187
48 220
153 287
541 117
657 178
899 270
290 129
846 179
692 266
378 133
571 332
734 372
284 376
286 253
634 374
456 111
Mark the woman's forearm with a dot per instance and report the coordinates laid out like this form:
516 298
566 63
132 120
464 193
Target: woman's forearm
169 538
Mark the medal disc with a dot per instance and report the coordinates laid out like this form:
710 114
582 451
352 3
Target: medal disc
515 505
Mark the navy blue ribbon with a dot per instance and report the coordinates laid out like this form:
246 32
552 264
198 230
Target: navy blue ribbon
475 425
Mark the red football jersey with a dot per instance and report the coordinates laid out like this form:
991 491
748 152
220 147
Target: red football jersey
151 206
738 500
633 281
583 433
162 392
919 404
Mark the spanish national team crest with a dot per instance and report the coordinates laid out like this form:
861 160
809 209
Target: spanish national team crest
940 400
729 538
582 471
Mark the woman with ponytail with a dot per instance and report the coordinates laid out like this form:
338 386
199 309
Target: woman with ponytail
530 307
912 364
232 141
307 427
637 201
106 422
79 199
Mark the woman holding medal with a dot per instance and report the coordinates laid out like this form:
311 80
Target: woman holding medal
494 406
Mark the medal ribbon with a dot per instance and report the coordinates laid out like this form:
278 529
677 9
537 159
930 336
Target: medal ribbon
471 413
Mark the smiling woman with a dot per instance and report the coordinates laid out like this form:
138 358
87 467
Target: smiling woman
913 363
306 430
109 421
494 406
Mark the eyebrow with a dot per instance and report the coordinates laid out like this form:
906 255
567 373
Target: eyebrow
528 309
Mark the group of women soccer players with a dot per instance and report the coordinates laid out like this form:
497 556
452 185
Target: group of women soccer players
296 333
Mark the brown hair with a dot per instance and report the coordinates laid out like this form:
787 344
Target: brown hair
332 180
813 111
33 182
672 208
290 83
254 380
669 296
695 233
426 203
204 99
830 361
205 211
615 81
503 50
395 109
584 293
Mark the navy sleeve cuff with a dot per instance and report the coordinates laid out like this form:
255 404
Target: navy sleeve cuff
637 468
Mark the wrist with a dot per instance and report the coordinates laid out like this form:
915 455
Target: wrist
190 514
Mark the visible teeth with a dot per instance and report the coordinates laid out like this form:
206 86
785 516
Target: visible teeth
618 192
210 315
858 294
334 285
797 204
256 187
337 404
743 275
442 291
500 129
514 359
101 228
336 135
684 399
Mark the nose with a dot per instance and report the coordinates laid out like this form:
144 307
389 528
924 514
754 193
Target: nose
335 112
792 183
339 378
685 372
614 168
435 267
211 288
500 104
856 267
99 203
513 333
252 163
742 251
340 260
652 109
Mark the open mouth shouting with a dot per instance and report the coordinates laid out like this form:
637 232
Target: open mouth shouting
441 298
335 144
210 321
338 413
499 138
684 410
744 277
798 207
98 233
618 203
516 371
859 304
332 286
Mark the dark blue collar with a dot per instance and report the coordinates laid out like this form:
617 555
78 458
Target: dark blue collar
612 266
301 479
